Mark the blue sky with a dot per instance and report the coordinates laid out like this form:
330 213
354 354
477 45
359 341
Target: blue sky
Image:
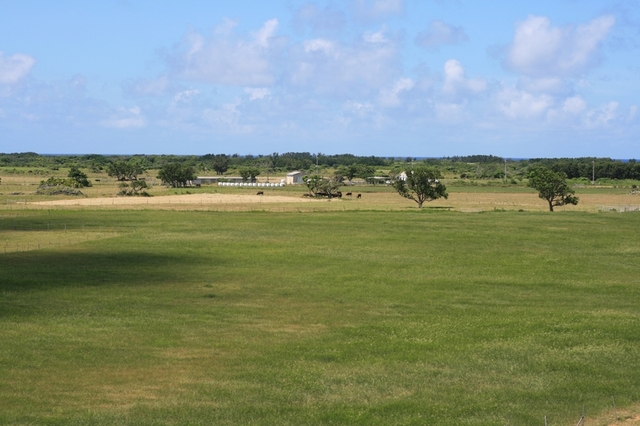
370 77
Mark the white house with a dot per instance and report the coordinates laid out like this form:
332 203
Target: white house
294 178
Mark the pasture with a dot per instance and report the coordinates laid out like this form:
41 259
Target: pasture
348 315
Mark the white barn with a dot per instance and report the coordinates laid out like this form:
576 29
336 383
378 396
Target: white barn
294 178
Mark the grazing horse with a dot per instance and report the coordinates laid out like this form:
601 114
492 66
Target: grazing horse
348 194
359 196
260 193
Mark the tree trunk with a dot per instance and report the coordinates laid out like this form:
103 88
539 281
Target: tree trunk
550 206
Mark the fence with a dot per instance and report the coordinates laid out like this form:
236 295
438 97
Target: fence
621 209
582 420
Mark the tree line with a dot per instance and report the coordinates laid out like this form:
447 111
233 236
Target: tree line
127 168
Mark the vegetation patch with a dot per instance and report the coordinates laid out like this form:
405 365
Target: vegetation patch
46 189
356 317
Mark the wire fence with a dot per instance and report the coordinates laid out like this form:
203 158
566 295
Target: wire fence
621 209
582 421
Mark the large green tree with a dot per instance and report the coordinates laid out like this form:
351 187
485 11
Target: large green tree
322 187
421 185
552 186
176 174
125 170
249 173
77 178
354 170
221 163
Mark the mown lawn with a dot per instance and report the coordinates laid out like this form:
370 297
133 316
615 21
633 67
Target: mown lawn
407 317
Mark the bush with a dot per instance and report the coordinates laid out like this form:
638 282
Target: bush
57 190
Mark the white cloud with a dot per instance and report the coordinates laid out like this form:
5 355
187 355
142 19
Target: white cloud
456 84
257 93
520 104
185 97
225 28
377 37
390 98
331 68
358 108
570 111
551 86
229 115
440 33
603 116
15 67
127 118
225 59
574 105
319 45
540 50
264 34
450 112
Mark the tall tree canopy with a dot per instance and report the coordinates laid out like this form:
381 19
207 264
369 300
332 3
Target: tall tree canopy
176 174
552 186
422 185
125 170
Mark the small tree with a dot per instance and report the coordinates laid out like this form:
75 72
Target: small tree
137 187
354 170
176 174
552 186
330 187
249 173
314 184
274 161
322 187
77 179
125 170
422 185
221 163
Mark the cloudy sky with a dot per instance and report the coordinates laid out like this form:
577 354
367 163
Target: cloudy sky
544 78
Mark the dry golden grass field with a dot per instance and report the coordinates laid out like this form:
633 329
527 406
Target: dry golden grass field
19 191
285 201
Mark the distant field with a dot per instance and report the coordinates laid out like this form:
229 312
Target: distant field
318 317
18 191
276 200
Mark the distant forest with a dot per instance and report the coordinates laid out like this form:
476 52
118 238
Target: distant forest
470 166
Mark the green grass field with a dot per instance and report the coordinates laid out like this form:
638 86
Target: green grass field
357 317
